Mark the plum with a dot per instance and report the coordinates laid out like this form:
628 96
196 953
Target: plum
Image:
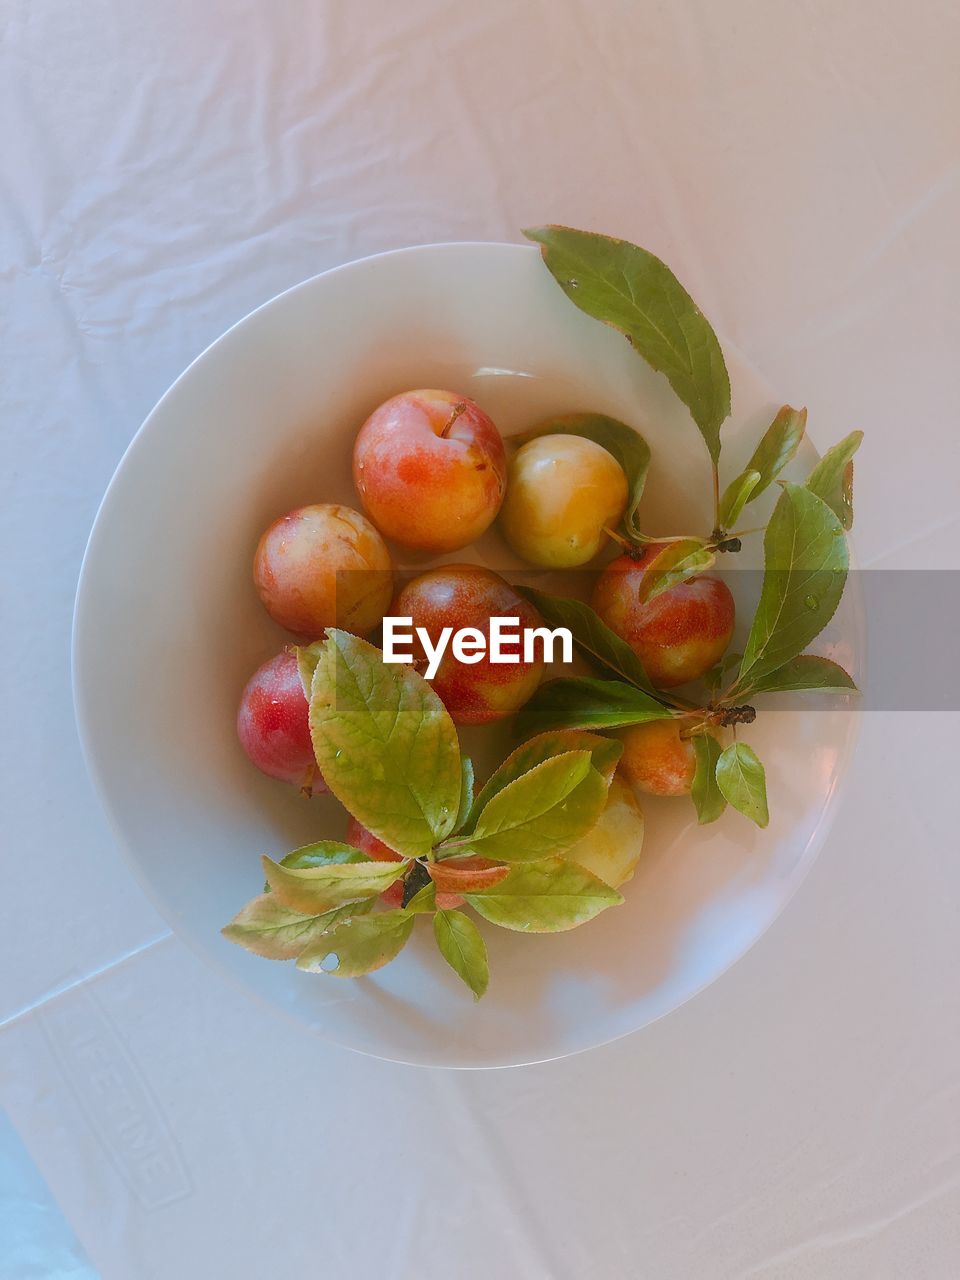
273 725
323 566
658 759
462 596
611 848
680 633
562 493
430 469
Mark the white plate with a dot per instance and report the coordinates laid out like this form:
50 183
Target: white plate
168 628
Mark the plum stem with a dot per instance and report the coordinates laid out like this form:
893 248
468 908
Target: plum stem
457 410
306 787
695 729
682 537
619 539
743 533
635 546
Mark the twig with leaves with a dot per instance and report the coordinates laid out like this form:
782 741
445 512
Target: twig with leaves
389 751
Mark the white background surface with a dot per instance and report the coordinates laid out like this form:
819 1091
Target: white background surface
165 168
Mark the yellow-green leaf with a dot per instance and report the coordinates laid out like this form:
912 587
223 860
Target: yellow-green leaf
741 779
544 897
268 928
360 945
543 811
604 754
466 792
424 900
707 797
461 945
308 655
316 889
324 853
673 564
385 744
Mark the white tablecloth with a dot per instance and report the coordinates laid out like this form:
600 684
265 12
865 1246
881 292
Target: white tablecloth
165 168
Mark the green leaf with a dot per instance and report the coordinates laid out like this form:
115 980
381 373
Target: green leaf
315 889
324 853
466 792
808 671
675 563
604 755
308 656
544 897
591 636
736 496
832 478
385 744
268 928
461 945
714 678
805 568
630 289
707 796
780 442
742 781
625 443
543 811
359 945
424 900
581 702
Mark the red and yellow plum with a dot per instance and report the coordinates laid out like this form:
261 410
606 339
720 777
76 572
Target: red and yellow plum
680 633
657 759
430 469
462 596
323 566
273 726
